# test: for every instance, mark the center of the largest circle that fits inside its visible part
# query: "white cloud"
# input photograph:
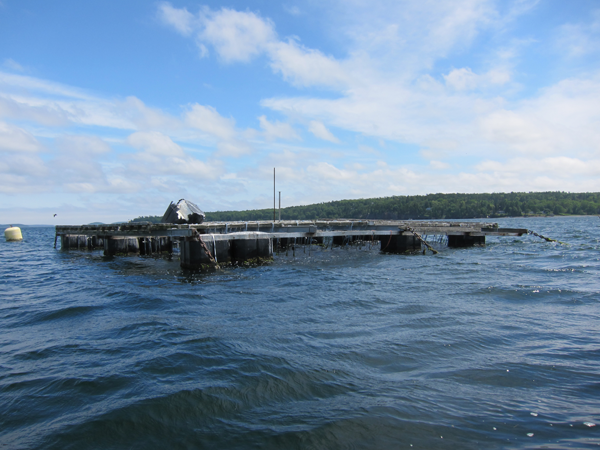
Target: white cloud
(68, 172)
(195, 168)
(306, 67)
(236, 36)
(277, 130)
(326, 171)
(241, 36)
(160, 169)
(580, 39)
(15, 139)
(180, 19)
(154, 143)
(46, 113)
(464, 79)
(19, 164)
(552, 167)
(82, 145)
(410, 35)
(80, 188)
(13, 65)
(498, 76)
(142, 116)
(228, 141)
(321, 131)
(234, 148)
(561, 119)
(12, 82)
(208, 120)
(292, 9)
(439, 165)
(53, 104)
(461, 79)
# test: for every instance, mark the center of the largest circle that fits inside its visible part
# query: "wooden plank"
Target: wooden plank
(292, 228)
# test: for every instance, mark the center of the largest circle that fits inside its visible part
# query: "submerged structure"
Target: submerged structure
(212, 243)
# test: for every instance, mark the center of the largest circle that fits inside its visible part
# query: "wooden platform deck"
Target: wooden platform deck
(291, 229)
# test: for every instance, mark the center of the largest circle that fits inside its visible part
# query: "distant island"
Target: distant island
(424, 207)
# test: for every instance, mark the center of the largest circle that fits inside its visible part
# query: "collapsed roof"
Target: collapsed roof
(183, 211)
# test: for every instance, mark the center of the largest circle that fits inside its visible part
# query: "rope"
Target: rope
(389, 240)
(435, 252)
(544, 237)
(203, 245)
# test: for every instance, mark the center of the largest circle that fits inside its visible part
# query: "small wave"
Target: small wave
(63, 313)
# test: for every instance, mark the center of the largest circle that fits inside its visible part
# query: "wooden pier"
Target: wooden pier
(211, 243)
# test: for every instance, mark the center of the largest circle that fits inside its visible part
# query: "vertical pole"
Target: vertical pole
(273, 194)
(280, 206)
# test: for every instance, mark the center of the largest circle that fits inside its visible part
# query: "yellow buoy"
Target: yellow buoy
(13, 234)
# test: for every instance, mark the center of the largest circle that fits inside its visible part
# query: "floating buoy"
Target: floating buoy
(13, 234)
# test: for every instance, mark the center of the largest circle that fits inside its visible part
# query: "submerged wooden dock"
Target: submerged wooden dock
(212, 243)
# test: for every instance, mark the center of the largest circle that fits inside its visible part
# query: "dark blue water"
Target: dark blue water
(495, 347)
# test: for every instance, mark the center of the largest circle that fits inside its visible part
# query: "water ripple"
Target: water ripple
(492, 347)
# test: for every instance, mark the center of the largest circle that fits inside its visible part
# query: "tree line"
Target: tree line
(423, 207)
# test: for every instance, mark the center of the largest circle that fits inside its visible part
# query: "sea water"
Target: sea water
(485, 347)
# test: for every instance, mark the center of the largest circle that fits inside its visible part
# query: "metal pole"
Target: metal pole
(274, 194)
(280, 206)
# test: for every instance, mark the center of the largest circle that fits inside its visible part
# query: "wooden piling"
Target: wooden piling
(120, 246)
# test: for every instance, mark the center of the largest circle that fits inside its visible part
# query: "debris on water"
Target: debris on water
(589, 424)
(507, 370)
(494, 428)
(534, 414)
(530, 434)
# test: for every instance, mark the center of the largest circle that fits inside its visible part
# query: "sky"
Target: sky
(110, 110)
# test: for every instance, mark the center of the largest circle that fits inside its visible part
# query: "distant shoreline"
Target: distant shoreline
(449, 220)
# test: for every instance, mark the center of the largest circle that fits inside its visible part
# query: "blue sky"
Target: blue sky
(109, 110)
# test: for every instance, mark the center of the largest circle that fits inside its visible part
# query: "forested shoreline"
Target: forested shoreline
(430, 206)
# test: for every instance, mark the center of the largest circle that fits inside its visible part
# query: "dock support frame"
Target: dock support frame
(461, 241)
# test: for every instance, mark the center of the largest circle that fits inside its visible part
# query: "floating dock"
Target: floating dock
(212, 243)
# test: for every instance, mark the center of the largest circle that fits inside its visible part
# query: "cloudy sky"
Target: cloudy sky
(109, 110)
